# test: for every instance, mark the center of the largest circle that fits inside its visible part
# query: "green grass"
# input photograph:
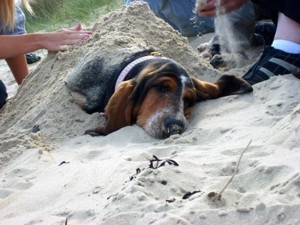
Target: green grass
(55, 14)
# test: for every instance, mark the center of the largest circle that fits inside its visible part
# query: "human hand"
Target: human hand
(62, 39)
(210, 7)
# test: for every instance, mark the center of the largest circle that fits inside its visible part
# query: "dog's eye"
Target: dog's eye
(162, 88)
(188, 102)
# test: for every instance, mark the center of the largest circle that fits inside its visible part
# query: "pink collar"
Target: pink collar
(129, 67)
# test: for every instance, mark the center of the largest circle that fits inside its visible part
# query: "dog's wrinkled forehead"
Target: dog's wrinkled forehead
(184, 76)
(152, 74)
(186, 80)
(166, 66)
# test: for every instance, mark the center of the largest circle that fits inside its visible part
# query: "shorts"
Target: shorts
(19, 27)
(290, 8)
(3, 94)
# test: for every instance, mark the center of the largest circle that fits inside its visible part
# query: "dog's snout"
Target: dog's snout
(173, 126)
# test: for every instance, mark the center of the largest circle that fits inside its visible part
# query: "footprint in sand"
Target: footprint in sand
(17, 179)
(4, 193)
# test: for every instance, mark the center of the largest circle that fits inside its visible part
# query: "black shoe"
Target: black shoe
(264, 33)
(258, 40)
(3, 94)
(32, 58)
(273, 62)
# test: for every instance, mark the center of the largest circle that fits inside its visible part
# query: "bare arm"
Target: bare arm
(13, 45)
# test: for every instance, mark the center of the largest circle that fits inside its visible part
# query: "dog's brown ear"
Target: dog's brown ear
(232, 85)
(226, 85)
(118, 111)
(205, 90)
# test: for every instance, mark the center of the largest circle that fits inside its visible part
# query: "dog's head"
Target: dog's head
(159, 100)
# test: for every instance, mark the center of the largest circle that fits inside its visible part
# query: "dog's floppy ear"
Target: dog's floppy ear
(226, 85)
(205, 90)
(232, 85)
(118, 111)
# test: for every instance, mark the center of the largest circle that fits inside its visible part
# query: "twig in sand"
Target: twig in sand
(155, 163)
(189, 194)
(217, 197)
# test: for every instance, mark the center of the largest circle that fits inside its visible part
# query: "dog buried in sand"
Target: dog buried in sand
(134, 84)
(156, 93)
(153, 91)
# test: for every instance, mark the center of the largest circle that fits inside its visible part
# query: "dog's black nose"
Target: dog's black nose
(173, 126)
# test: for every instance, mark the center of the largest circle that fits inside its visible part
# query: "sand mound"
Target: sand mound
(64, 177)
(43, 99)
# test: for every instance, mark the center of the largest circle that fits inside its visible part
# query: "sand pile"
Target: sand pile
(53, 174)
(43, 99)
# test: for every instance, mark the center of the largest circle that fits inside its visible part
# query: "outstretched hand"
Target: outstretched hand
(62, 39)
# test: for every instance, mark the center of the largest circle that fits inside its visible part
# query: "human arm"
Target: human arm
(14, 45)
(209, 7)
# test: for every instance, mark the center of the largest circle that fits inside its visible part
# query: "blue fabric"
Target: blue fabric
(19, 27)
(180, 15)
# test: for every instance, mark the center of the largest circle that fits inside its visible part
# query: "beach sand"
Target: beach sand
(53, 174)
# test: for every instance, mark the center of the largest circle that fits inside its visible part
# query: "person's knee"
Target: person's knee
(3, 94)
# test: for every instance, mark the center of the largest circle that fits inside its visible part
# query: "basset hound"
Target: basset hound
(152, 91)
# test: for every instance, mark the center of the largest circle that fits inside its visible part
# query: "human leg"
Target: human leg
(283, 57)
(18, 64)
(18, 67)
(287, 30)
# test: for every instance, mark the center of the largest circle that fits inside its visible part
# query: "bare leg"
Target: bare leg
(287, 29)
(18, 67)
(284, 55)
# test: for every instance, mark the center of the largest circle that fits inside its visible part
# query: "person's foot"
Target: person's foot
(32, 58)
(3, 94)
(273, 62)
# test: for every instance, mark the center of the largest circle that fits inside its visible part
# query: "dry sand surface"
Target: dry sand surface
(53, 174)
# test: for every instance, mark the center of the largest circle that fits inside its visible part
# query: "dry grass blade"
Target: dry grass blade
(218, 196)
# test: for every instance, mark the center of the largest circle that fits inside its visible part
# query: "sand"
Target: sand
(53, 174)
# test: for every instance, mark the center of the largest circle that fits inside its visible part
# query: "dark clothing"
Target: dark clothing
(3, 94)
(290, 8)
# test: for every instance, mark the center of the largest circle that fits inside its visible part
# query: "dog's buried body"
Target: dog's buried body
(152, 91)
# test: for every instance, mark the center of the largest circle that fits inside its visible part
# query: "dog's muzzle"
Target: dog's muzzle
(173, 126)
